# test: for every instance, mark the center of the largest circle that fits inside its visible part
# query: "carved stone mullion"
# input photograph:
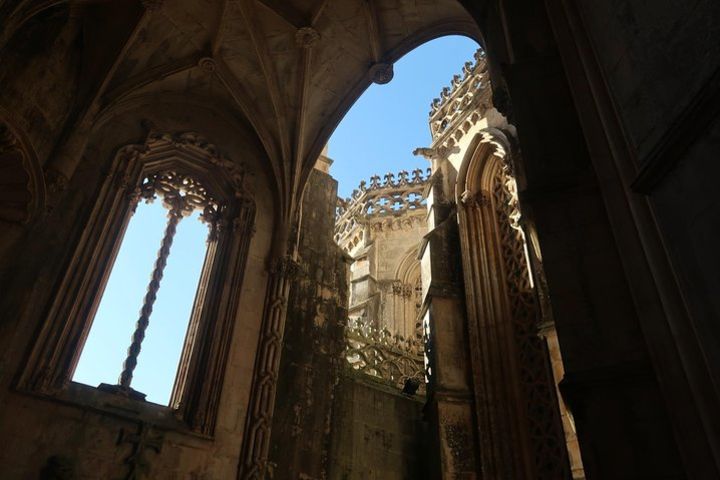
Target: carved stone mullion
(138, 336)
(256, 443)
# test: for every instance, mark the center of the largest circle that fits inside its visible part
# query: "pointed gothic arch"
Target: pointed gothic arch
(518, 421)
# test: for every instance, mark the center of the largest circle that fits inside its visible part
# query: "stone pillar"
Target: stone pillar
(450, 399)
(312, 357)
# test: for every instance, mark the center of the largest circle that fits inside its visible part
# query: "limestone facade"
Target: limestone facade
(381, 228)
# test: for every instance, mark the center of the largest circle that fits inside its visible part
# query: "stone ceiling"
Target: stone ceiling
(292, 68)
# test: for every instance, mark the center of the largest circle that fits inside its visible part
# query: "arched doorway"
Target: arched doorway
(519, 429)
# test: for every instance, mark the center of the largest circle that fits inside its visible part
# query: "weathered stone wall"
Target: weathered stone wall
(313, 341)
(377, 433)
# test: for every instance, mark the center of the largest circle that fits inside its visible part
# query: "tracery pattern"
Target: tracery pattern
(379, 204)
(546, 435)
(378, 353)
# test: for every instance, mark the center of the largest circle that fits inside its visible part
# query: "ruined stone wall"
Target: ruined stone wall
(314, 341)
(377, 433)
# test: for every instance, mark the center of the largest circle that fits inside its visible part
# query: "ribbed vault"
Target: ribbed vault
(291, 68)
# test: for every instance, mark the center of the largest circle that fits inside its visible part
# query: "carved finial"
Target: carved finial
(306, 37)
(381, 73)
(417, 176)
(402, 177)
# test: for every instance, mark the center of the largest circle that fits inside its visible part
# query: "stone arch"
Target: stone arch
(198, 386)
(463, 27)
(519, 429)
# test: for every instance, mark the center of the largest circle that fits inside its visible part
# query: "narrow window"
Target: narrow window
(139, 328)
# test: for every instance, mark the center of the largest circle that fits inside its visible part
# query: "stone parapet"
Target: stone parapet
(394, 195)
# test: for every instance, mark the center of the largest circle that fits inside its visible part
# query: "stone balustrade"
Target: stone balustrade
(380, 354)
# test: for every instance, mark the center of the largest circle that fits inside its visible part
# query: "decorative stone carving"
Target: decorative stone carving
(474, 199)
(545, 431)
(504, 324)
(253, 464)
(381, 73)
(306, 37)
(459, 107)
(164, 160)
(208, 64)
(378, 353)
(379, 205)
(181, 195)
(142, 442)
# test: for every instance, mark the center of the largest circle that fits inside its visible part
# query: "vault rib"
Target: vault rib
(271, 82)
(241, 97)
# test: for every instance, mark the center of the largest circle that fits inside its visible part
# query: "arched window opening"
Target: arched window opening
(157, 245)
(171, 319)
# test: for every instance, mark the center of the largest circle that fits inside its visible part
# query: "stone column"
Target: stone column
(450, 400)
(256, 442)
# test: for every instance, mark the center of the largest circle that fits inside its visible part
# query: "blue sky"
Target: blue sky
(376, 136)
(389, 121)
(110, 336)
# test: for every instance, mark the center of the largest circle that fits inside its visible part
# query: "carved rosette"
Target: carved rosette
(208, 64)
(306, 37)
(381, 73)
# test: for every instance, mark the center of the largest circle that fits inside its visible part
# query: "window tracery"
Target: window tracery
(181, 195)
(188, 173)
